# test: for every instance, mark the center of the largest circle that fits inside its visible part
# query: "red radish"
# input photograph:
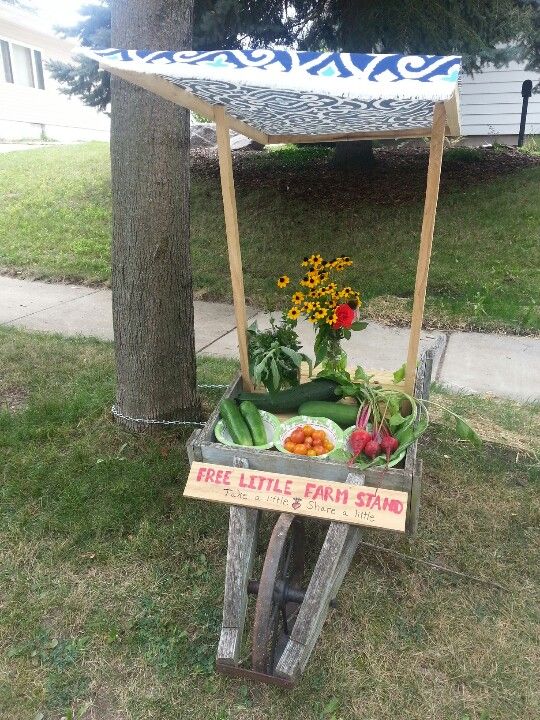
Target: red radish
(372, 448)
(360, 436)
(358, 439)
(389, 444)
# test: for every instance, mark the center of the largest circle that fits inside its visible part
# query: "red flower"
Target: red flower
(345, 315)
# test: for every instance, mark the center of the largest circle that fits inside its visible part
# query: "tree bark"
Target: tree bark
(354, 155)
(151, 264)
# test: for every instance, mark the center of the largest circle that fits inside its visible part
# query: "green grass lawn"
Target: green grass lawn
(111, 583)
(55, 223)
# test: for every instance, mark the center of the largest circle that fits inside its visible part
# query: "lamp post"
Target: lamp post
(526, 92)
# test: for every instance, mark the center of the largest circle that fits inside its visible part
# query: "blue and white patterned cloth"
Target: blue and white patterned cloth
(290, 92)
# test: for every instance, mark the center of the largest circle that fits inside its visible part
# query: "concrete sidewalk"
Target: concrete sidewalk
(501, 365)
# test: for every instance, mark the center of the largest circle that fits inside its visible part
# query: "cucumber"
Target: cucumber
(341, 414)
(292, 398)
(235, 423)
(254, 421)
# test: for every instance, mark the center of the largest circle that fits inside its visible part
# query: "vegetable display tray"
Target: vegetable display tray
(202, 446)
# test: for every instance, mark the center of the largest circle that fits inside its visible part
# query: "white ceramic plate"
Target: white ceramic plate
(271, 425)
(334, 432)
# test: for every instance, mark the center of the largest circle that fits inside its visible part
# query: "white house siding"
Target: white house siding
(491, 104)
(27, 112)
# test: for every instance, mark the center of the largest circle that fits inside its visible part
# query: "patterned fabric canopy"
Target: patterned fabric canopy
(281, 92)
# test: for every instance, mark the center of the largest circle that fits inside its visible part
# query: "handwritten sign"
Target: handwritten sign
(340, 502)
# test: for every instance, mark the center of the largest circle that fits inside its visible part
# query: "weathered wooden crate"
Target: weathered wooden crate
(202, 446)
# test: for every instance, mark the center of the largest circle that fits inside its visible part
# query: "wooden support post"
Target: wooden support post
(334, 559)
(233, 240)
(241, 547)
(426, 240)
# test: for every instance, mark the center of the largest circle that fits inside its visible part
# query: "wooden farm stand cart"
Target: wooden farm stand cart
(282, 96)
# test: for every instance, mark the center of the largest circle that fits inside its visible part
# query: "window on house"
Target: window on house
(21, 65)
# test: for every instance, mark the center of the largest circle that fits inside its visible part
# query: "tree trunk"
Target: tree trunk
(354, 155)
(151, 264)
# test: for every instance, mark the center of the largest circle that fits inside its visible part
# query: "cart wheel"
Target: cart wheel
(276, 611)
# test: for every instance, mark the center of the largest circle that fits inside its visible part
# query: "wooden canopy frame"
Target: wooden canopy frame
(445, 122)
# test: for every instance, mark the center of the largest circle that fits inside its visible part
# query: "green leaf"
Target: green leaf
(331, 707)
(396, 420)
(275, 374)
(295, 356)
(258, 371)
(465, 432)
(347, 334)
(320, 352)
(359, 325)
(399, 374)
(361, 374)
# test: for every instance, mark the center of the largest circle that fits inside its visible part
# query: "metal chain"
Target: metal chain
(149, 421)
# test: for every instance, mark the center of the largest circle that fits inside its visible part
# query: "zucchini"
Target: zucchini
(254, 421)
(292, 398)
(341, 413)
(235, 423)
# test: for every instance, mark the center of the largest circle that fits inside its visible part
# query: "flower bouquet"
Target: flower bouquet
(333, 309)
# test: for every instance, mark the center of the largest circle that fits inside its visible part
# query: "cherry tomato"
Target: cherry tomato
(319, 450)
(318, 435)
(308, 430)
(308, 441)
(297, 436)
(328, 447)
(311, 452)
(289, 446)
(300, 449)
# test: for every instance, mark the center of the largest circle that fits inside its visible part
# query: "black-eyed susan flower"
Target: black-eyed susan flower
(294, 313)
(311, 280)
(298, 298)
(283, 281)
(332, 319)
(309, 306)
(315, 260)
(320, 313)
(305, 262)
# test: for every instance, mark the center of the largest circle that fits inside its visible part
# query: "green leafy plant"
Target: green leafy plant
(384, 408)
(274, 355)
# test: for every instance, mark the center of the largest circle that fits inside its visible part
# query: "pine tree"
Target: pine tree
(82, 77)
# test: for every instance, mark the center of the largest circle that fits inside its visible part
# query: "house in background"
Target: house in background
(31, 105)
(491, 105)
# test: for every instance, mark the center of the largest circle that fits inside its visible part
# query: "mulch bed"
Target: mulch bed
(398, 177)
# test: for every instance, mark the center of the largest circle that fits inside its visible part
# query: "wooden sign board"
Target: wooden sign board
(324, 499)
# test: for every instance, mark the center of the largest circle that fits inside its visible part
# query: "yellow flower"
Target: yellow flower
(298, 298)
(294, 313)
(305, 262)
(283, 281)
(320, 313)
(311, 280)
(331, 319)
(315, 260)
(312, 319)
(309, 307)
